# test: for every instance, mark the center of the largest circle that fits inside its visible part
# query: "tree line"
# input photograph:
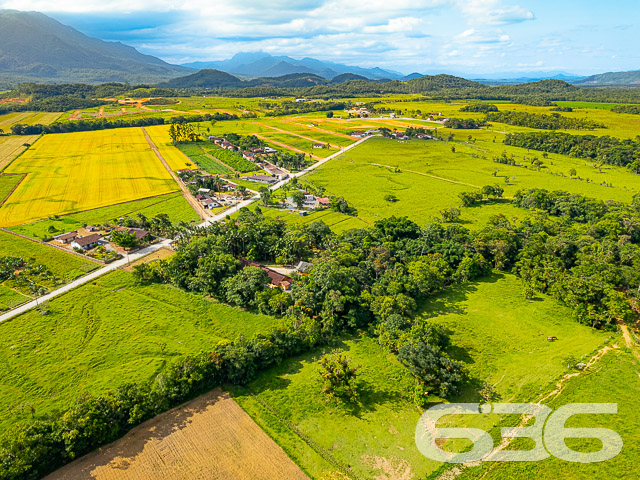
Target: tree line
(542, 121)
(115, 122)
(602, 149)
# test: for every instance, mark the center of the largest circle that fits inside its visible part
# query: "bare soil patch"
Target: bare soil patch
(210, 438)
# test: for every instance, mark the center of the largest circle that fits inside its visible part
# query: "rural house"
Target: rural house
(86, 243)
(67, 237)
(278, 280)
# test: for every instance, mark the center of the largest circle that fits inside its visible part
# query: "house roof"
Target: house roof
(277, 279)
(88, 240)
(66, 236)
(324, 200)
(138, 232)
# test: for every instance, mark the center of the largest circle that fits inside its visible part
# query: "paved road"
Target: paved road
(87, 278)
(165, 243)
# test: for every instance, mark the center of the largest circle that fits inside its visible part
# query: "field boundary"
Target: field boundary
(306, 439)
(24, 175)
(185, 191)
(94, 260)
(97, 208)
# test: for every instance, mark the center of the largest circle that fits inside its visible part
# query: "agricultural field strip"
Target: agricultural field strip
(284, 145)
(296, 134)
(85, 279)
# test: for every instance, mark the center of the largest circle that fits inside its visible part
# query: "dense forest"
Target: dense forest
(602, 149)
(539, 120)
(632, 109)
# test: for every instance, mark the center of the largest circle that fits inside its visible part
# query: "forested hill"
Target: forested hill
(612, 78)
(35, 47)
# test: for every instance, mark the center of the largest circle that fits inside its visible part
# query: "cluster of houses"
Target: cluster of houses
(250, 155)
(210, 200)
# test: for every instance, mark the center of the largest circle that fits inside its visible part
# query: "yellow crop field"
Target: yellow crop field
(71, 172)
(174, 157)
(12, 146)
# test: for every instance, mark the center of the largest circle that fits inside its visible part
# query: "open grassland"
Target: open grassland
(63, 265)
(338, 222)
(502, 335)
(104, 334)
(172, 204)
(614, 379)
(498, 333)
(12, 146)
(209, 437)
(78, 171)
(426, 177)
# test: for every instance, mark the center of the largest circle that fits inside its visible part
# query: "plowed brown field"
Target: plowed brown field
(209, 438)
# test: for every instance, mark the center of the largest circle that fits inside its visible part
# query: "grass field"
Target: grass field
(79, 171)
(615, 379)
(500, 336)
(12, 146)
(430, 178)
(103, 334)
(210, 437)
(64, 265)
(173, 204)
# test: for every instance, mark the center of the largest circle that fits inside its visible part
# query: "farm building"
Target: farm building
(358, 133)
(303, 268)
(278, 280)
(323, 202)
(318, 145)
(67, 237)
(86, 243)
(269, 150)
(276, 172)
(260, 179)
(310, 201)
(138, 232)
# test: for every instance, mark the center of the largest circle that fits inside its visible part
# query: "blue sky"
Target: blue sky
(427, 36)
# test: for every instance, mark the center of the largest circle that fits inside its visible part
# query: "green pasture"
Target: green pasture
(104, 334)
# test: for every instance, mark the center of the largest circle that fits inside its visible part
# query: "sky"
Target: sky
(472, 37)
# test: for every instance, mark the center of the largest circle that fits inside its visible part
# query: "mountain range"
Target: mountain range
(35, 47)
(261, 64)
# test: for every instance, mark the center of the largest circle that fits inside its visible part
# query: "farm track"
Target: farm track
(454, 472)
(24, 175)
(429, 175)
(185, 191)
(335, 134)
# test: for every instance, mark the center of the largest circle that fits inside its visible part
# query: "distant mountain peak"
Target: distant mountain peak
(262, 64)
